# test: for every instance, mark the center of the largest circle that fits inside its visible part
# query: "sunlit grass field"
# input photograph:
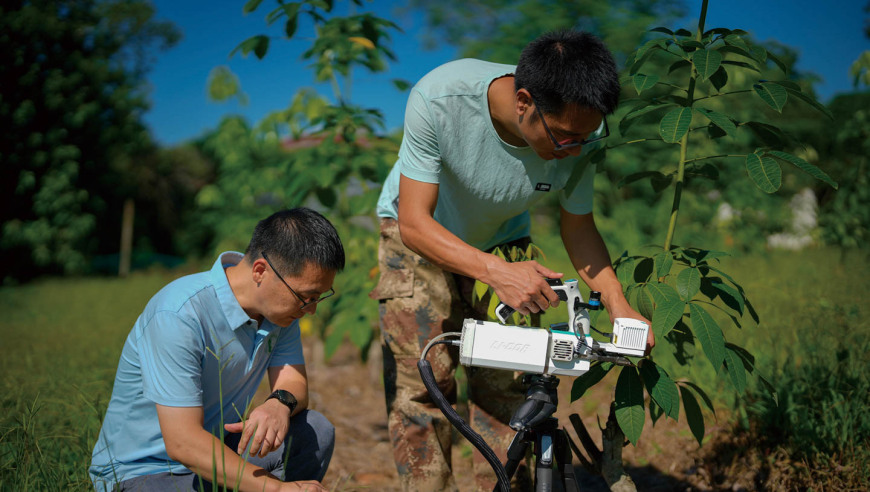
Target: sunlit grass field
(61, 340)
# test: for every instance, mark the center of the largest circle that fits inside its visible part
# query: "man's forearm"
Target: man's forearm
(208, 457)
(589, 255)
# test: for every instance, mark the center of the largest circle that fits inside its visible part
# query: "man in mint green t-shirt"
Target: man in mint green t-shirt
(483, 143)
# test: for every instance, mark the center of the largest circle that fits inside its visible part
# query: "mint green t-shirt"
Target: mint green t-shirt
(485, 186)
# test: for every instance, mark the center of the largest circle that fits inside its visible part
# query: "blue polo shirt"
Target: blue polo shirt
(192, 340)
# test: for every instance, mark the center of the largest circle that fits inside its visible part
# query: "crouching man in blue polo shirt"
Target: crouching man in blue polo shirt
(195, 357)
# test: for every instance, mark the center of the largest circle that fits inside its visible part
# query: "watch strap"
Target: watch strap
(284, 397)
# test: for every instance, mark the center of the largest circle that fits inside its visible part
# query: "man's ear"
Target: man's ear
(523, 102)
(258, 270)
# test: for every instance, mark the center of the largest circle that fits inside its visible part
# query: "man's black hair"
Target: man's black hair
(295, 237)
(565, 67)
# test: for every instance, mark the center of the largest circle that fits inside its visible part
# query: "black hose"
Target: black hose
(504, 482)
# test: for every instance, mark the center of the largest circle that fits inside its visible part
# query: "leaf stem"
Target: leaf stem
(713, 157)
(722, 94)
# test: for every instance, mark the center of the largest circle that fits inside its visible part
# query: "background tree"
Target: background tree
(73, 95)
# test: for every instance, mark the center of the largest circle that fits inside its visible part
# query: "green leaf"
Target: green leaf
(773, 94)
(719, 119)
(707, 331)
(643, 270)
(764, 172)
(290, 25)
(661, 182)
(741, 65)
(688, 283)
(629, 404)
(664, 30)
(480, 289)
(804, 166)
(729, 295)
(662, 292)
(258, 44)
(663, 262)
(645, 305)
(643, 82)
(720, 78)
(700, 392)
(661, 388)
(769, 134)
(707, 62)
(250, 6)
(666, 315)
(589, 379)
(631, 178)
(401, 84)
(678, 65)
(736, 371)
(630, 118)
(693, 414)
(782, 66)
(809, 100)
(675, 124)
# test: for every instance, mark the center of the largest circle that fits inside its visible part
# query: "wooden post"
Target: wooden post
(126, 237)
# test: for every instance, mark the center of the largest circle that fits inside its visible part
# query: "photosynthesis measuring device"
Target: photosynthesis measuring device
(562, 349)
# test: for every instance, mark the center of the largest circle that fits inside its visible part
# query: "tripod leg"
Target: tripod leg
(565, 458)
(544, 462)
(516, 453)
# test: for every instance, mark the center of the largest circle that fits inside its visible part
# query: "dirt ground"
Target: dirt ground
(351, 395)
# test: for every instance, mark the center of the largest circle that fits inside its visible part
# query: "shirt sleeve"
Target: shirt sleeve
(170, 352)
(578, 200)
(419, 154)
(288, 347)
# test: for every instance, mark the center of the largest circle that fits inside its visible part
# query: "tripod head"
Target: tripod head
(541, 402)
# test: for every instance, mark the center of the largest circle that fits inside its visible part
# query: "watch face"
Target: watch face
(286, 398)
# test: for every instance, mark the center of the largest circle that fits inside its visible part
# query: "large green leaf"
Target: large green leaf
(706, 61)
(805, 167)
(719, 119)
(764, 172)
(589, 379)
(645, 305)
(807, 99)
(675, 124)
(774, 95)
(631, 178)
(662, 292)
(643, 82)
(693, 414)
(663, 263)
(736, 371)
(661, 388)
(629, 404)
(708, 332)
(688, 283)
(667, 313)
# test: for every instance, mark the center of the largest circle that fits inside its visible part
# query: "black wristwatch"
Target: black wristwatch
(286, 398)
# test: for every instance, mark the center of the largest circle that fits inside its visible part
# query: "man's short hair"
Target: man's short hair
(565, 67)
(295, 237)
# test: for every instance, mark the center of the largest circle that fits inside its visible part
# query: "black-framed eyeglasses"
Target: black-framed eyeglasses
(571, 143)
(303, 301)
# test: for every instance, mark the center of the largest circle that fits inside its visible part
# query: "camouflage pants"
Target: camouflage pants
(419, 301)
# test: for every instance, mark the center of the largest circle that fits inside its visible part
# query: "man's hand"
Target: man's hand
(522, 285)
(305, 486)
(624, 310)
(266, 428)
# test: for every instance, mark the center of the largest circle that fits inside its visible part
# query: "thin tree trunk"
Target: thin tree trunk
(126, 237)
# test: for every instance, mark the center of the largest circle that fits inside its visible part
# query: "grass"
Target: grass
(62, 339)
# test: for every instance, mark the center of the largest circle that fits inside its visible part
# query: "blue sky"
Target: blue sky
(827, 35)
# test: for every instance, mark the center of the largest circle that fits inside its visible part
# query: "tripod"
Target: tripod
(535, 424)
